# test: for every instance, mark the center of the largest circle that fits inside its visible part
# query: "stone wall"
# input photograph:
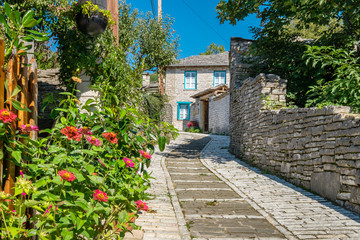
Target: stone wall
(219, 114)
(174, 88)
(318, 149)
(48, 83)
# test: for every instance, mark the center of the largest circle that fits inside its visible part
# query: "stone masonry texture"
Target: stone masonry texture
(219, 114)
(318, 149)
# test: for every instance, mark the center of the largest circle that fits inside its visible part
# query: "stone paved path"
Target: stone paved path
(219, 197)
(211, 208)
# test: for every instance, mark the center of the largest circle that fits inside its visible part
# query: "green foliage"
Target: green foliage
(154, 78)
(279, 45)
(339, 82)
(154, 105)
(148, 44)
(88, 8)
(45, 57)
(213, 49)
(16, 28)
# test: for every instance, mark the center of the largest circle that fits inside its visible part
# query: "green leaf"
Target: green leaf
(60, 158)
(27, 17)
(40, 183)
(90, 168)
(2, 20)
(82, 204)
(7, 9)
(67, 235)
(17, 156)
(30, 24)
(14, 231)
(78, 175)
(18, 106)
(161, 142)
(16, 91)
(54, 149)
(57, 180)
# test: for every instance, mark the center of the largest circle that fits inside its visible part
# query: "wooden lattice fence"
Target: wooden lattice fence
(18, 71)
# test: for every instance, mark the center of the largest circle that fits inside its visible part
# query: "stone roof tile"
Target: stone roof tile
(221, 59)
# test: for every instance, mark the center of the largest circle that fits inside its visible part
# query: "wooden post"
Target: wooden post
(2, 100)
(113, 7)
(159, 11)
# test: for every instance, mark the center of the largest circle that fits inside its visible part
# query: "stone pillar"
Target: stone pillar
(239, 71)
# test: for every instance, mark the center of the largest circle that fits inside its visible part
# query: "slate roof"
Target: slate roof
(221, 59)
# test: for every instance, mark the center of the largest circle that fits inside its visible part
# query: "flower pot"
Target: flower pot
(92, 25)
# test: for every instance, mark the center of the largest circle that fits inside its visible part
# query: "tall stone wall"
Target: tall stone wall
(219, 114)
(318, 149)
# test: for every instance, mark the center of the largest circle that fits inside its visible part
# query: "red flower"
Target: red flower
(72, 133)
(145, 154)
(7, 116)
(85, 131)
(111, 137)
(67, 176)
(141, 205)
(129, 162)
(100, 196)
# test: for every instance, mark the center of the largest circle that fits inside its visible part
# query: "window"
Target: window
(190, 80)
(219, 78)
(183, 110)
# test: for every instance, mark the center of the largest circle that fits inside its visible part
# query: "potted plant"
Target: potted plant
(90, 19)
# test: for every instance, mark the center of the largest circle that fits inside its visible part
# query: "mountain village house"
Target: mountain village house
(197, 87)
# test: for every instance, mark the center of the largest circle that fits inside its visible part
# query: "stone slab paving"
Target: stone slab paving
(297, 213)
(210, 207)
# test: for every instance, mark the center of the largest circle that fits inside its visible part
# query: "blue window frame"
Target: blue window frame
(183, 110)
(190, 79)
(219, 78)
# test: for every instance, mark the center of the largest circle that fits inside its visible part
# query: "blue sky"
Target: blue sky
(197, 33)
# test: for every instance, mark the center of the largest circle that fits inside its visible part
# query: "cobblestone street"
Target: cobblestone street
(204, 192)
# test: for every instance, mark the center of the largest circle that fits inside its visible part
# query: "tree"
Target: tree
(279, 41)
(150, 46)
(214, 49)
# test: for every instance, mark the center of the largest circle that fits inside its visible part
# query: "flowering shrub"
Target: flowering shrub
(85, 178)
(193, 127)
(192, 124)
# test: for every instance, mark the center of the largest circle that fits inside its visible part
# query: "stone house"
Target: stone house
(188, 77)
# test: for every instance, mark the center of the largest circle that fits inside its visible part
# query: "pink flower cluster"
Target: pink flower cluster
(141, 205)
(100, 196)
(145, 154)
(67, 176)
(192, 124)
(93, 141)
(129, 162)
(28, 128)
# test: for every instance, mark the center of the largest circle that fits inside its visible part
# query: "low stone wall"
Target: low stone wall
(318, 149)
(219, 114)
